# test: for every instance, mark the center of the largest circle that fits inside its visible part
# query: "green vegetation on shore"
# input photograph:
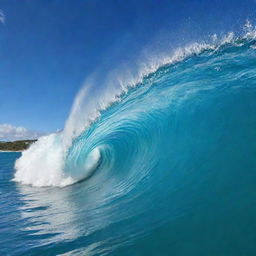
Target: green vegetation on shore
(18, 145)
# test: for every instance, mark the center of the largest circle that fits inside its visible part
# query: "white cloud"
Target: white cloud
(2, 17)
(9, 133)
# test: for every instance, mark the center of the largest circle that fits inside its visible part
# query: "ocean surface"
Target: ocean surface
(166, 167)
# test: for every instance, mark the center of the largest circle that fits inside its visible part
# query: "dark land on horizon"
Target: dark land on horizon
(18, 145)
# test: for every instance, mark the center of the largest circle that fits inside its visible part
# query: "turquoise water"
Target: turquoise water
(169, 169)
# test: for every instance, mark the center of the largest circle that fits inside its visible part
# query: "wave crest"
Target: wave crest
(102, 117)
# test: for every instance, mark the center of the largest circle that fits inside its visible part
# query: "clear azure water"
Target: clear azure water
(169, 168)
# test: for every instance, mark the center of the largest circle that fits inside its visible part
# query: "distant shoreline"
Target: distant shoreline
(9, 151)
(15, 146)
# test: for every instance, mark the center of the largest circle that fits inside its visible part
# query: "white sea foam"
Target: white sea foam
(42, 164)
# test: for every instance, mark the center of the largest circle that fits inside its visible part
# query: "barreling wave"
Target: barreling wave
(121, 131)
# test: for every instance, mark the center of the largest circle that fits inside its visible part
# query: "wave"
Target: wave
(122, 130)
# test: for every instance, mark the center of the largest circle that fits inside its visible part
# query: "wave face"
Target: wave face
(181, 139)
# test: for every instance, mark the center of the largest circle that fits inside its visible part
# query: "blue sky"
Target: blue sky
(48, 48)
